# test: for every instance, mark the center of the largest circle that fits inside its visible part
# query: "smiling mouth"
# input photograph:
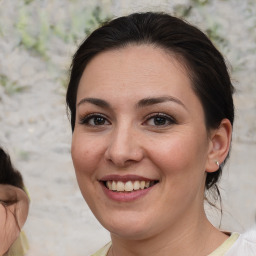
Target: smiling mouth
(128, 186)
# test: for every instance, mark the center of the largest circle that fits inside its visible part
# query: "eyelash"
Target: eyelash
(85, 120)
(167, 118)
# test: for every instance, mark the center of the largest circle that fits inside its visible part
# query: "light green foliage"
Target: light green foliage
(23, 155)
(96, 19)
(213, 27)
(37, 42)
(182, 10)
(200, 2)
(26, 39)
(214, 34)
(251, 15)
(47, 30)
(82, 20)
(44, 33)
(28, 1)
(11, 87)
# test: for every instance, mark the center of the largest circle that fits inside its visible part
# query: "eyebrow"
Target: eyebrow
(98, 102)
(156, 100)
(142, 103)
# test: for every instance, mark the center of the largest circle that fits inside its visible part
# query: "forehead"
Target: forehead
(135, 70)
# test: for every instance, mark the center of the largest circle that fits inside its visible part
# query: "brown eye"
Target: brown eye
(94, 120)
(160, 120)
(97, 120)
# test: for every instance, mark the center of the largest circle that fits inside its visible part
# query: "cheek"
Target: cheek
(84, 164)
(9, 229)
(181, 162)
(181, 154)
(86, 154)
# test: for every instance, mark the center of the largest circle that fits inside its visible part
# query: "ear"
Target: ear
(220, 139)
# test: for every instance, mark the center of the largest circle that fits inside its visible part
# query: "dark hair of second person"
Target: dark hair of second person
(8, 174)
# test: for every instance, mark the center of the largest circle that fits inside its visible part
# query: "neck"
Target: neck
(198, 238)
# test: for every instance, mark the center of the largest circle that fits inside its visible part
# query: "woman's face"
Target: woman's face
(140, 124)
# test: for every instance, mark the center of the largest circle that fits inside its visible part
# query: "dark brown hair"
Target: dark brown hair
(9, 175)
(204, 63)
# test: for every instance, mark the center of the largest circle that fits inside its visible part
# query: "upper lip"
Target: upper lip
(125, 178)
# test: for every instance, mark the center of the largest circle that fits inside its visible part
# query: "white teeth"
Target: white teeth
(142, 184)
(120, 186)
(113, 185)
(136, 185)
(127, 186)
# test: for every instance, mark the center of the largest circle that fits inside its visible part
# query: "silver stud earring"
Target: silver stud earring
(217, 162)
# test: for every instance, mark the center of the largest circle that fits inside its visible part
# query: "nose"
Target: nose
(124, 147)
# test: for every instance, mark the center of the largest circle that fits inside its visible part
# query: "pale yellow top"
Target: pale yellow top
(223, 248)
(19, 247)
(220, 251)
(103, 251)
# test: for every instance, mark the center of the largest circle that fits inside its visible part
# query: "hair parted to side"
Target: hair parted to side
(204, 63)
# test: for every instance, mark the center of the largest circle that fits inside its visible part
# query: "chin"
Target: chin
(130, 233)
(128, 227)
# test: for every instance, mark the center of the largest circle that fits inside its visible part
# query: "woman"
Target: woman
(151, 109)
(14, 204)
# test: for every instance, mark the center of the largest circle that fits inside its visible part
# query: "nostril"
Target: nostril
(124, 149)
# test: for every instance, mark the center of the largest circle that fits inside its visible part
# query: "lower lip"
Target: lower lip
(125, 196)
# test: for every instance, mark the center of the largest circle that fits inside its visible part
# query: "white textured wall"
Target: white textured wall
(37, 39)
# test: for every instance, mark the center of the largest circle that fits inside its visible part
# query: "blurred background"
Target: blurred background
(37, 40)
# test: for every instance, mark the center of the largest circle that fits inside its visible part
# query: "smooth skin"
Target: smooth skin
(12, 217)
(138, 115)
